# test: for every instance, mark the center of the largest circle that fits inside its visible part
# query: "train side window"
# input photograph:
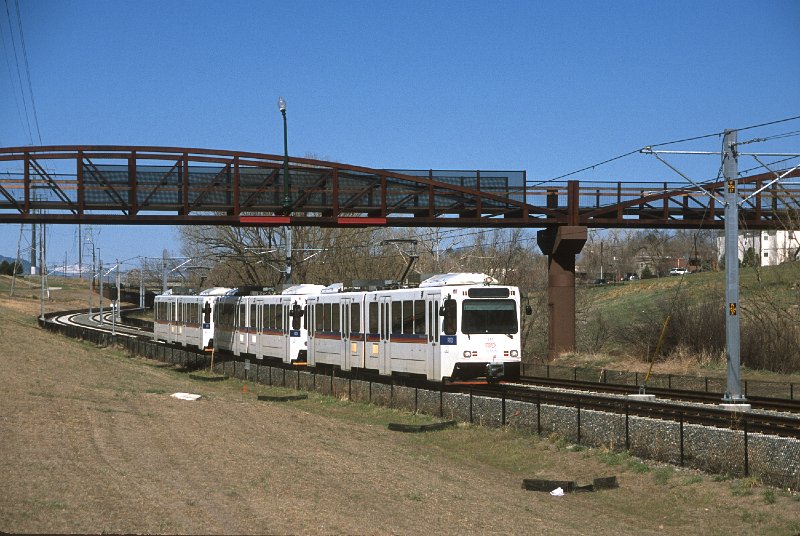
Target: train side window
(207, 313)
(335, 310)
(318, 317)
(355, 318)
(397, 317)
(419, 316)
(408, 316)
(450, 316)
(326, 317)
(373, 317)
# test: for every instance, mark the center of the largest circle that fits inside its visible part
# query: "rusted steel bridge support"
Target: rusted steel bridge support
(561, 244)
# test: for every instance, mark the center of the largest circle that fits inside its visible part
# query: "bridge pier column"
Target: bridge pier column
(561, 244)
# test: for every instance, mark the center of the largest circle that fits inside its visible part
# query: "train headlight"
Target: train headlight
(467, 353)
(514, 353)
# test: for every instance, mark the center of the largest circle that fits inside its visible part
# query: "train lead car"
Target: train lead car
(453, 326)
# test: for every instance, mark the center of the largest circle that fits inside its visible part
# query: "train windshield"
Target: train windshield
(489, 316)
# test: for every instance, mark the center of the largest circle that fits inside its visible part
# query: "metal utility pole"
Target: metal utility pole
(41, 273)
(100, 275)
(730, 172)
(164, 272)
(91, 281)
(33, 248)
(80, 254)
(286, 199)
(141, 286)
(288, 272)
(115, 306)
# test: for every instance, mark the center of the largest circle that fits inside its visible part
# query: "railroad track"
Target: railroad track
(758, 421)
(701, 397)
(93, 322)
(769, 416)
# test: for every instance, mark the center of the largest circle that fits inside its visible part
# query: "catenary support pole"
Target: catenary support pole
(730, 172)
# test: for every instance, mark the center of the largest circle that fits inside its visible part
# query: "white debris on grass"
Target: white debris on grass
(185, 396)
(558, 492)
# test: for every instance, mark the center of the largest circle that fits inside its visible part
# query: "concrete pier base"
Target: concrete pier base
(735, 407)
(642, 398)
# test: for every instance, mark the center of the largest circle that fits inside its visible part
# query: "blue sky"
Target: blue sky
(548, 87)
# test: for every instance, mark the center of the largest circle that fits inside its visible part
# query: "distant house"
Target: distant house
(770, 247)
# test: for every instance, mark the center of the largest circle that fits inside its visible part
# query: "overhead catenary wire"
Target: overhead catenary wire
(662, 144)
(27, 123)
(27, 71)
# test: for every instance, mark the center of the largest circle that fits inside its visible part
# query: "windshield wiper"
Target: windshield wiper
(509, 335)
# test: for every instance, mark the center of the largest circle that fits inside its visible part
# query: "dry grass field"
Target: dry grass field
(91, 441)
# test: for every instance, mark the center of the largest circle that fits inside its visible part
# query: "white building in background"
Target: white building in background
(770, 247)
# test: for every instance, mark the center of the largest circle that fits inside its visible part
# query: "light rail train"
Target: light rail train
(453, 326)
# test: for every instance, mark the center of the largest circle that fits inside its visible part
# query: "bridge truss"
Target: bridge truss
(171, 185)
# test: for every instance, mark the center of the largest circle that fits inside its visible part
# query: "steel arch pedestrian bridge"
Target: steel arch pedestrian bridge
(173, 185)
(185, 186)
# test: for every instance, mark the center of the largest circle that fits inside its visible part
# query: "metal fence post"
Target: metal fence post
(503, 417)
(681, 421)
(539, 413)
(627, 429)
(746, 455)
(470, 406)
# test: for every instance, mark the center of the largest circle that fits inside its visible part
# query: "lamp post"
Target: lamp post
(286, 200)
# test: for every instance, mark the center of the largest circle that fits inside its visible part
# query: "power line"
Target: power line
(27, 71)
(693, 138)
(19, 75)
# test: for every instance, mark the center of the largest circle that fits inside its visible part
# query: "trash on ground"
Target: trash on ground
(185, 396)
(569, 486)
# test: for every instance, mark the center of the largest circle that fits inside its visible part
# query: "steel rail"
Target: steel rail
(758, 402)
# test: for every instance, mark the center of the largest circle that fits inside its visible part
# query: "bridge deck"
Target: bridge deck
(164, 185)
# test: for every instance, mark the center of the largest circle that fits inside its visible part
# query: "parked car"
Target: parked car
(678, 271)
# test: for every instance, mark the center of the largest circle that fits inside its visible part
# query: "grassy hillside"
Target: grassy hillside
(623, 321)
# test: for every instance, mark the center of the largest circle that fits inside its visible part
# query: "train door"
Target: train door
(172, 316)
(290, 336)
(385, 357)
(434, 356)
(347, 333)
(355, 330)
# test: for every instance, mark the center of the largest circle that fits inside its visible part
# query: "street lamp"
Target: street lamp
(286, 200)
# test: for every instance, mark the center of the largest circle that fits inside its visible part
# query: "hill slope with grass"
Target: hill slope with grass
(622, 322)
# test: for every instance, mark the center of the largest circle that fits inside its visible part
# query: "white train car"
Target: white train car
(453, 326)
(187, 320)
(271, 326)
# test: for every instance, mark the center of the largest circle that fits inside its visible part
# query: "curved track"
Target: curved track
(769, 416)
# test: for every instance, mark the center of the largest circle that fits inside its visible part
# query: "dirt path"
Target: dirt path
(91, 441)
